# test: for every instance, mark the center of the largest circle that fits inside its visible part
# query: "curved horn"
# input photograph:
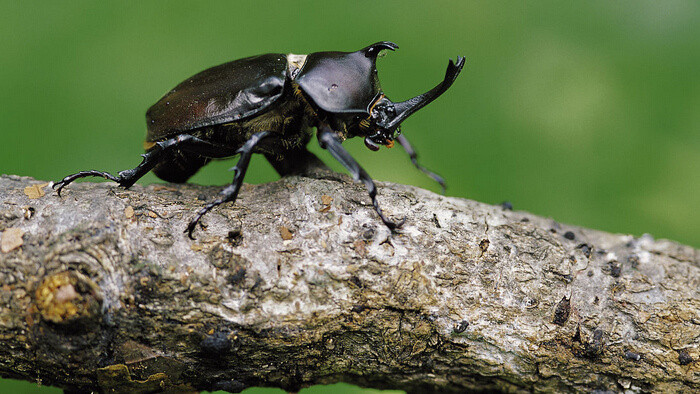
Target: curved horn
(374, 49)
(406, 108)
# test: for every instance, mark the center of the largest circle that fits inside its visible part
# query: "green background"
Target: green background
(587, 112)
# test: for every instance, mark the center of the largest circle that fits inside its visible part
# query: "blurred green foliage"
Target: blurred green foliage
(585, 111)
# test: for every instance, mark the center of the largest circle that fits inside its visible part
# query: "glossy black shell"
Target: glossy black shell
(337, 82)
(222, 94)
(340, 82)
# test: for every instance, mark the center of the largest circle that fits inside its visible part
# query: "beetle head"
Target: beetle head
(375, 132)
(385, 116)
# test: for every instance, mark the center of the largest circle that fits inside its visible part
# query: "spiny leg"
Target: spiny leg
(230, 193)
(127, 178)
(414, 159)
(330, 141)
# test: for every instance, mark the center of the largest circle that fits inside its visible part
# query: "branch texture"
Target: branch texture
(300, 283)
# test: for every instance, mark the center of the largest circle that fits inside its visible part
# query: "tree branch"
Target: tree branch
(300, 283)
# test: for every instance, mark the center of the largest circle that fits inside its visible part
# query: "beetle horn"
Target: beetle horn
(406, 108)
(374, 49)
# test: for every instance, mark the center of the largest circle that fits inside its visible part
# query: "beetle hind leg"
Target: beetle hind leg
(82, 174)
(230, 192)
(124, 178)
(161, 151)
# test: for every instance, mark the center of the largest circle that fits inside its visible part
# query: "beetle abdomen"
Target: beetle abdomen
(179, 166)
(221, 94)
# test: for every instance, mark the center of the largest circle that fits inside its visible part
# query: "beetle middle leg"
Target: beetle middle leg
(414, 159)
(330, 141)
(230, 193)
(151, 158)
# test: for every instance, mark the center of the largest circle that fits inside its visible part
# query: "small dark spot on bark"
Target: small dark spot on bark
(236, 276)
(461, 327)
(590, 273)
(369, 233)
(215, 345)
(507, 206)
(234, 237)
(684, 358)
(553, 231)
(594, 347)
(601, 251)
(596, 300)
(630, 355)
(356, 281)
(437, 222)
(525, 220)
(577, 335)
(202, 197)
(633, 260)
(570, 235)
(561, 313)
(613, 268)
(484, 245)
(358, 308)
(586, 249)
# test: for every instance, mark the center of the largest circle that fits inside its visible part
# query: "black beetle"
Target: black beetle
(268, 104)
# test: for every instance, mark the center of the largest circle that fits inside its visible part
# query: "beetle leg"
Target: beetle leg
(127, 178)
(330, 141)
(414, 159)
(230, 193)
(82, 174)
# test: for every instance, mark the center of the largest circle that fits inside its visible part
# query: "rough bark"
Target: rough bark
(300, 283)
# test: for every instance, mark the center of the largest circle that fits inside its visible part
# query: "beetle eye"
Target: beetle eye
(371, 144)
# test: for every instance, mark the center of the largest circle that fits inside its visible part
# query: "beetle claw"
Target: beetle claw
(190, 228)
(393, 226)
(60, 186)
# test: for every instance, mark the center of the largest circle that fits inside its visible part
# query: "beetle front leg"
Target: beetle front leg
(230, 193)
(330, 141)
(414, 159)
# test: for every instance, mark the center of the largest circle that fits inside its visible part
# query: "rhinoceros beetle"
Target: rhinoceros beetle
(268, 104)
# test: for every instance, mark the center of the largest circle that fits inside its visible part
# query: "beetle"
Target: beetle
(269, 104)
